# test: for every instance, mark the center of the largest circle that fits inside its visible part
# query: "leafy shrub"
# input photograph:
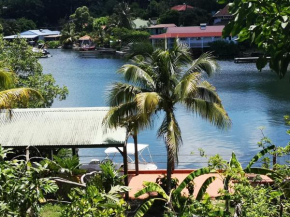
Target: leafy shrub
(224, 48)
(101, 197)
(52, 44)
(23, 187)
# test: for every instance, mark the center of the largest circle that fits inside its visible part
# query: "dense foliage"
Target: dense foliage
(20, 58)
(47, 13)
(23, 186)
(267, 25)
(224, 48)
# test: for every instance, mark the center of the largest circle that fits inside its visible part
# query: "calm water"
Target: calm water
(252, 100)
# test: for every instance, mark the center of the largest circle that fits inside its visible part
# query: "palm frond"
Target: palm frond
(117, 115)
(205, 63)
(208, 92)
(171, 132)
(121, 93)
(209, 111)
(18, 96)
(126, 115)
(6, 78)
(137, 75)
(187, 86)
(147, 103)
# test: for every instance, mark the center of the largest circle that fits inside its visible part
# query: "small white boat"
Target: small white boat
(143, 164)
(94, 165)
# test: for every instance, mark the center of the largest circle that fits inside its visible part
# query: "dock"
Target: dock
(248, 59)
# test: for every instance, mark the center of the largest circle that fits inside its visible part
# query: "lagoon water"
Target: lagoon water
(252, 99)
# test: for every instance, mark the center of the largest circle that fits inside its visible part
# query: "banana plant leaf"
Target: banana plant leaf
(190, 177)
(204, 186)
(259, 155)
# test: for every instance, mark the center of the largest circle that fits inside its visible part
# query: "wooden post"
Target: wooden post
(73, 151)
(51, 154)
(27, 158)
(136, 154)
(27, 154)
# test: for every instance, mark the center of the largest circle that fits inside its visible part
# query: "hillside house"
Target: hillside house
(194, 36)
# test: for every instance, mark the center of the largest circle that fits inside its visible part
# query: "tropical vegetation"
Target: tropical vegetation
(18, 57)
(156, 83)
(265, 24)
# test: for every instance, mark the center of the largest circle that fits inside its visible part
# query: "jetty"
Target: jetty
(248, 59)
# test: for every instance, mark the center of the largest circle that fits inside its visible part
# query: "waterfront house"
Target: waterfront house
(222, 17)
(35, 35)
(193, 36)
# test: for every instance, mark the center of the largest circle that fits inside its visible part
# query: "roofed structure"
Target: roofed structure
(190, 31)
(223, 12)
(33, 34)
(58, 127)
(162, 26)
(183, 7)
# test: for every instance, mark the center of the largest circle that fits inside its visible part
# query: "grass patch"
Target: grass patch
(51, 210)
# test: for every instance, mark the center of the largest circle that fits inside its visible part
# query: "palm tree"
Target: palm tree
(156, 83)
(11, 97)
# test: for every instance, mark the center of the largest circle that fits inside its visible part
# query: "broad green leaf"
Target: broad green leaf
(261, 63)
(234, 162)
(204, 186)
(146, 206)
(190, 177)
(259, 155)
(270, 173)
(152, 187)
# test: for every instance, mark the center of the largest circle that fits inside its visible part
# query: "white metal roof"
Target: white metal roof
(130, 149)
(58, 127)
(20, 36)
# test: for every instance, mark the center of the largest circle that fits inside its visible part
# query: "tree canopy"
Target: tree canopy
(267, 25)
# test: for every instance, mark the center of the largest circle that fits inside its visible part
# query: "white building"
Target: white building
(34, 35)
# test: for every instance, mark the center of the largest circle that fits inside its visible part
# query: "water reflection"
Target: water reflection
(251, 98)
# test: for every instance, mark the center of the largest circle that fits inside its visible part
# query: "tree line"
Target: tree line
(53, 13)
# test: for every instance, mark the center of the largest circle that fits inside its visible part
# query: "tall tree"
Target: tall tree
(156, 83)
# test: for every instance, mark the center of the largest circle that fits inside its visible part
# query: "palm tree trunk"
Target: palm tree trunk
(169, 172)
(136, 154)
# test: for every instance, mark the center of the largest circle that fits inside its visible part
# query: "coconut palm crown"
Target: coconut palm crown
(11, 97)
(156, 83)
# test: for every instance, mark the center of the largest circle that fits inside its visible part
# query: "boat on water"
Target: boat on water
(111, 153)
(42, 52)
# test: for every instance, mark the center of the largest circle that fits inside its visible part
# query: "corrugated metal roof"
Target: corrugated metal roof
(20, 36)
(162, 26)
(58, 127)
(190, 31)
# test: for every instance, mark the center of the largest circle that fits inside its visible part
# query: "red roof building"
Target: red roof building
(183, 7)
(191, 32)
(194, 36)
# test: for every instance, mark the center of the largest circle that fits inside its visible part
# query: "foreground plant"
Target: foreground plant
(102, 196)
(23, 187)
